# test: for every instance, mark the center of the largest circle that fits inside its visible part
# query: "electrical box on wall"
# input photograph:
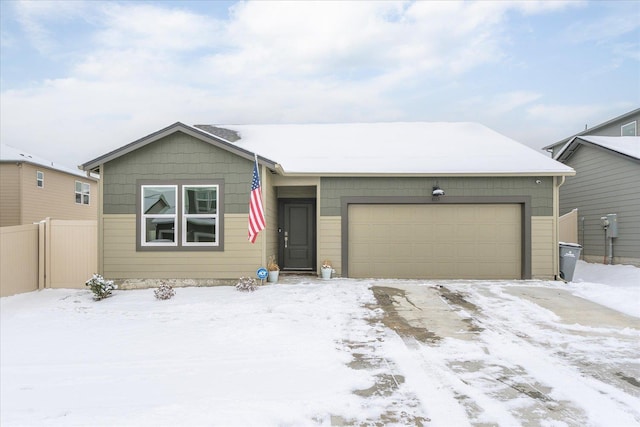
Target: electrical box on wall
(612, 229)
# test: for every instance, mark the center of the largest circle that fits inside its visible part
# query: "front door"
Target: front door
(296, 232)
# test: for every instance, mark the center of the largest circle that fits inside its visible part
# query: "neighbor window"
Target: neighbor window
(82, 193)
(630, 129)
(182, 215)
(40, 179)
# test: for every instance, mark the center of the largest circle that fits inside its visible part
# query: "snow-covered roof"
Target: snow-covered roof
(392, 148)
(627, 145)
(621, 118)
(12, 154)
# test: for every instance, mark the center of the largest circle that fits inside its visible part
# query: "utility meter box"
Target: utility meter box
(612, 230)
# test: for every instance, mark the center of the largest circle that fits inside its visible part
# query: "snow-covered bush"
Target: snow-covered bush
(164, 291)
(100, 287)
(247, 284)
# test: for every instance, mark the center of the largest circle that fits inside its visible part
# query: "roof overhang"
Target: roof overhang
(570, 147)
(94, 165)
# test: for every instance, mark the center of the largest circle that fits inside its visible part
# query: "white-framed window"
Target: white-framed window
(40, 179)
(159, 217)
(199, 215)
(83, 192)
(630, 129)
(185, 215)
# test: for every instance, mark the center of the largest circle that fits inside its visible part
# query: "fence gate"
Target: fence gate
(52, 254)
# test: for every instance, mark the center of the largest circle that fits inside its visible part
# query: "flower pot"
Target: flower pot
(273, 276)
(326, 273)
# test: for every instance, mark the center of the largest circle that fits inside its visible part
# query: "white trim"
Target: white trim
(205, 216)
(82, 192)
(144, 217)
(635, 128)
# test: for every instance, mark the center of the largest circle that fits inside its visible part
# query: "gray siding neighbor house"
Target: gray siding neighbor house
(624, 125)
(607, 181)
(380, 200)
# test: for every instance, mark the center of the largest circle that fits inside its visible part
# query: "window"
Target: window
(630, 129)
(40, 179)
(199, 215)
(82, 193)
(159, 214)
(181, 216)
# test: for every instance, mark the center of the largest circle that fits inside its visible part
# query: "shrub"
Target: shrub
(164, 291)
(247, 284)
(100, 287)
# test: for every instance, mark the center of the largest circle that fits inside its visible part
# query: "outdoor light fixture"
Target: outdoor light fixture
(437, 191)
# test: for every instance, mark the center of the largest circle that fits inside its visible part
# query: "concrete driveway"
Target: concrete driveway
(508, 353)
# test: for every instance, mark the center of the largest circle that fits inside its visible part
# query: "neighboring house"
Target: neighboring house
(623, 125)
(176, 202)
(606, 182)
(32, 189)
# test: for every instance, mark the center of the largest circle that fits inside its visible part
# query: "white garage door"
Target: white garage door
(435, 241)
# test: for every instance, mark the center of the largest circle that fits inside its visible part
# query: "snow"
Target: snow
(628, 145)
(285, 356)
(11, 154)
(394, 148)
(614, 286)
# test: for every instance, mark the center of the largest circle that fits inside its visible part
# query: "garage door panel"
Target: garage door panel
(435, 241)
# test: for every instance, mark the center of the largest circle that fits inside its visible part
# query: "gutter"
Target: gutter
(556, 220)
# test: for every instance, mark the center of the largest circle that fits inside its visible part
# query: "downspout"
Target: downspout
(556, 203)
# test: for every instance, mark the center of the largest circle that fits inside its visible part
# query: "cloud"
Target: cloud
(142, 66)
(38, 19)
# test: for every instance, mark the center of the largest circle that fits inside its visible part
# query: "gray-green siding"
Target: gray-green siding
(333, 189)
(605, 183)
(178, 156)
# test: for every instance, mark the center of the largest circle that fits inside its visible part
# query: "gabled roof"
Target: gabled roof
(415, 148)
(626, 146)
(94, 165)
(594, 128)
(9, 154)
(401, 148)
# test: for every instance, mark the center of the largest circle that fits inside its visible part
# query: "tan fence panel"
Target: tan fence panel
(71, 253)
(18, 259)
(568, 227)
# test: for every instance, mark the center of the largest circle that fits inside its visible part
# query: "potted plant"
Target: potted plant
(274, 269)
(326, 269)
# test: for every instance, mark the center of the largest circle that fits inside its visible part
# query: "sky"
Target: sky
(81, 78)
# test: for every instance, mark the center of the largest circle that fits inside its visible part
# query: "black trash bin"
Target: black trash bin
(569, 256)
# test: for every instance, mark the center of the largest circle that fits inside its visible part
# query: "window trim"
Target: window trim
(144, 217)
(178, 245)
(635, 128)
(186, 216)
(82, 193)
(39, 179)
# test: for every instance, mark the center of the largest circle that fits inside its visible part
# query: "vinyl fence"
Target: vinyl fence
(568, 227)
(51, 254)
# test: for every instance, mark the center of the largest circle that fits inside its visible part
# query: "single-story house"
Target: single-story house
(382, 200)
(33, 188)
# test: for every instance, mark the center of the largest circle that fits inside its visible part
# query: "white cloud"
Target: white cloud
(148, 66)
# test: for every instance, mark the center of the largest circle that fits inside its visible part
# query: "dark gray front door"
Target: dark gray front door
(297, 234)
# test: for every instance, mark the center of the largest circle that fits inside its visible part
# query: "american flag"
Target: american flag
(256, 212)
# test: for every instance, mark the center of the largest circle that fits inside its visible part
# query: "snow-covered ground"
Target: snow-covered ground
(318, 353)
